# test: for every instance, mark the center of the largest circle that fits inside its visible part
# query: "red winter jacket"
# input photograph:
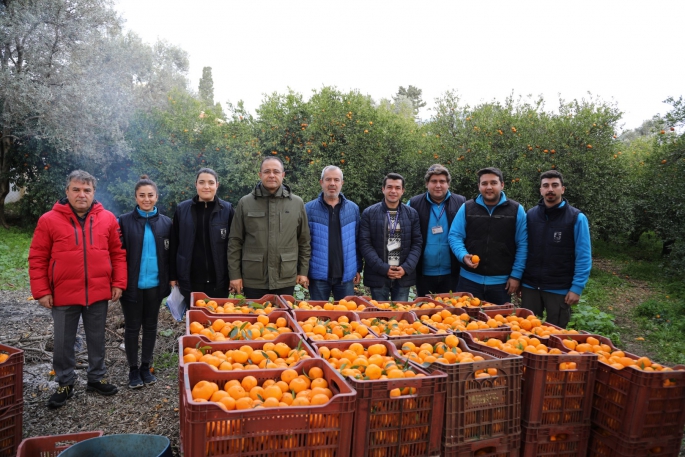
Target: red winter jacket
(73, 271)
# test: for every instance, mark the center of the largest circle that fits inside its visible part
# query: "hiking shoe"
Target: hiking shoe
(134, 381)
(147, 377)
(60, 397)
(102, 387)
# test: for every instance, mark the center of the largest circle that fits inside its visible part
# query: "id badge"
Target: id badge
(393, 245)
(437, 229)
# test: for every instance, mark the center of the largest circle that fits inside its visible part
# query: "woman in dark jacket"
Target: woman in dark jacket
(145, 236)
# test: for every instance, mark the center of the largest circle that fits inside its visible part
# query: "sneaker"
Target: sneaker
(147, 377)
(60, 397)
(134, 381)
(102, 387)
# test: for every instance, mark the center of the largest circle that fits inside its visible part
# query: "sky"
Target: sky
(624, 52)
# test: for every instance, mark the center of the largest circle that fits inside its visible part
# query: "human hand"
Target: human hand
(468, 262)
(173, 283)
(235, 286)
(46, 301)
(357, 279)
(513, 286)
(571, 298)
(116, 293)
(396, 272)
(303, 281)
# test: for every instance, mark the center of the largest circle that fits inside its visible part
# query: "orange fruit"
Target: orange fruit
(475, 259)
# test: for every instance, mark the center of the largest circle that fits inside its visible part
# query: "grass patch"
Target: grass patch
(166, 360)
(661, 318)
(14, 258)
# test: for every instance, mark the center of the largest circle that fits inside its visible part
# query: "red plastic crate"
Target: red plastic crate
(604, 444)
(10, 430)
(455, 311)
(208, 430)
(207, 318)
(550, 396)
(51, 446)
(275, 300)
(11, 378)
(477, 409)
(471, 309)
(408, 425)
(290, 302)
(635, 405)
(561, 441)
(303, 315)
(504, 446)
(397, 315)
(291, 339)
(401, 306)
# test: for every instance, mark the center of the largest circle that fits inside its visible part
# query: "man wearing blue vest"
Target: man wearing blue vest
(438, 269)
(492, 227)
(336, 264)
(559, 253)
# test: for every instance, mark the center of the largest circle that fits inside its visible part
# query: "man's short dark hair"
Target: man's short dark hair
(82, 176)
(208, 171)
(491, 171)
(437, 169)
(551, 174)
(393, 176)
(276, 158)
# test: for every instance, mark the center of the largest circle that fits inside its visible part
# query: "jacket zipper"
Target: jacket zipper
(85, 257)
(204, 238)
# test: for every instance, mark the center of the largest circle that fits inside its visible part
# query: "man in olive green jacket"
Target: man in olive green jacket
(269, 243)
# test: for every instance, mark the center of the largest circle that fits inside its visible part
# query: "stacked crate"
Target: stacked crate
(11, 399)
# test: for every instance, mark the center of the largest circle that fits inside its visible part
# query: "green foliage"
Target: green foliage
(14, 254)
(591, 319)
(166, 360)
(664, 322)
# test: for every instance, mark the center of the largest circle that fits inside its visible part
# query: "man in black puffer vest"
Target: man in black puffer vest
(199, 240)
(559, 253)
(438, 268)
(493, 228)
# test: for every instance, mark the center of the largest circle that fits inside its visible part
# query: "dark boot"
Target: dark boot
(147, 377)
(60, 397)
(134, 380)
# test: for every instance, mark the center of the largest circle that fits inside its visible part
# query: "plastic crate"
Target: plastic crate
(303, 315)
(51, 446)
(10, 430)
(274, 299)
(477, 409)
(636, 405)
(605, 444)
(208, 430)
(555, 441)
(400, 306)
(455, 311)
(473, 310)
(506, 446)
(410, 317)
(550, 396)
(11, 378)
(291, 339)
(408, 425)
(289, 302)
(204, 318)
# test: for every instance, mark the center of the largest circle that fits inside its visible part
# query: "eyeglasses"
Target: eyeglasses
(271, 172)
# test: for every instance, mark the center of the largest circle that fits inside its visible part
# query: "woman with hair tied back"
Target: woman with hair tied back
(145, 236)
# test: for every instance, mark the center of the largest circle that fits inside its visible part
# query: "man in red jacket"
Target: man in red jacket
(76, 265)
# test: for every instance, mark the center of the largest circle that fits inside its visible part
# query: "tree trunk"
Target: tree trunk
(5, 150)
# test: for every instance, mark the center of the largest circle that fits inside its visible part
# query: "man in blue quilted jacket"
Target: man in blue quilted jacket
(336, 264)
(391, 243)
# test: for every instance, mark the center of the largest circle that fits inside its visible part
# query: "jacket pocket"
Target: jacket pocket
(255, 221)
(253, 266)
(288, 265)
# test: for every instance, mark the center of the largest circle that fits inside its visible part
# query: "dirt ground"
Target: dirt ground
(150, 410)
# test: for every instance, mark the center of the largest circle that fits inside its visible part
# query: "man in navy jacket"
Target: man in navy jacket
(559, 253)
(334, 228)
(390, 242)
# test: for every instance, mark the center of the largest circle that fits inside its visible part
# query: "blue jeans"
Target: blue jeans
(493, 293)
(391, 291)
(321, 290)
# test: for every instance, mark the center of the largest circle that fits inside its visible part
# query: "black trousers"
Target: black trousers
(144, 313)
